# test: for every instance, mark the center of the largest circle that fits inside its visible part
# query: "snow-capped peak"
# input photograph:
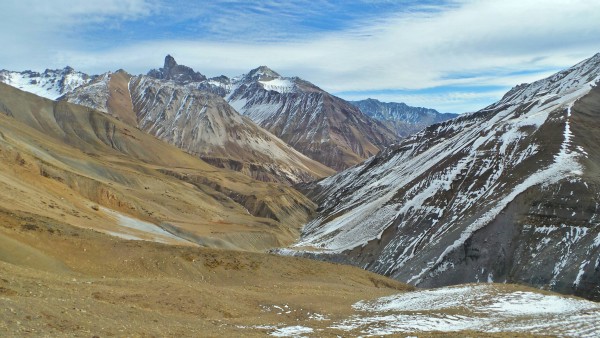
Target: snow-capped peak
(51, 84)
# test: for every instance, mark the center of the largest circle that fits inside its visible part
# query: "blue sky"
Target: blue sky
(454, 56)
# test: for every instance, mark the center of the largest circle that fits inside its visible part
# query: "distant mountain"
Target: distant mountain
(507, 194)
(316, 123)
(201, 123)
(405, 120)
(50, 84)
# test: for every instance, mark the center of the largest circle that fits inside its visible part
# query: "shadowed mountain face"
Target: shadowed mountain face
(200, 123)
(400, 117)
(74, 165)
(505, 194)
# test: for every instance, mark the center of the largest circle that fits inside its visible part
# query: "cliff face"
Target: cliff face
(171, 71)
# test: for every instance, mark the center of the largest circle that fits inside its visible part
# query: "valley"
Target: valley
(173, 204)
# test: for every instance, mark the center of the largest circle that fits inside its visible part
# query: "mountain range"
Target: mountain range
(284, 120)
(200, 123)
(400, 117)
(319, 125)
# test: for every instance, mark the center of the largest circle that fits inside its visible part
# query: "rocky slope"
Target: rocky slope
(400, 117)
(508, 194)
(316, 123)
(68, 164)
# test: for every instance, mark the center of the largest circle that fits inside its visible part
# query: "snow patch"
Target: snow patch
(154, 232)
(280, 85)
(291, 331)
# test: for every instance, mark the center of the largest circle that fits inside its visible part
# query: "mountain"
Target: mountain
(507, 194)
(321, 126)
(68, 164)
(316, 123)
(205, 125)
(400, 117)
(200, 123)
(50, 84)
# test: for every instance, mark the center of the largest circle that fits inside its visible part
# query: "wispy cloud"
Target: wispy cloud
(357, 47)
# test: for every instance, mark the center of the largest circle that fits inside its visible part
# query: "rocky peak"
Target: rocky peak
(169, 62)
(262, 73)
(178, 73)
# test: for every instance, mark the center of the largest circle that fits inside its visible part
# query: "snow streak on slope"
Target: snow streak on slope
(50, 84)
(483, 308)
(409, 211)
(479, 308)
(135, 229)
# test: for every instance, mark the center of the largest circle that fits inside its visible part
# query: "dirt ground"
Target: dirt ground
(59, 280)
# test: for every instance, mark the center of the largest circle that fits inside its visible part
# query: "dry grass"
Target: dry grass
(72, 281)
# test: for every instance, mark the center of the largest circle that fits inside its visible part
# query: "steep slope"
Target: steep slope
(316, 123)
(400, 117)
(73, 165)
(50, 84)
(509, 194)
(200, 123)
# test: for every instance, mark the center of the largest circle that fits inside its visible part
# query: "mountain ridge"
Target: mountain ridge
(200, 123)
(487, 196)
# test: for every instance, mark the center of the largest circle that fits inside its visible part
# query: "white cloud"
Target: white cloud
(34, 31)
(407, 50)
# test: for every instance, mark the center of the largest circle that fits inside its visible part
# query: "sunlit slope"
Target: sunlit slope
(82, 167)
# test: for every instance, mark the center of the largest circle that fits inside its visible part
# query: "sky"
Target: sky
(452, 55)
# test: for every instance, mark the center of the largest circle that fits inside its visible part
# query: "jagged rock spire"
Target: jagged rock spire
(175, 72)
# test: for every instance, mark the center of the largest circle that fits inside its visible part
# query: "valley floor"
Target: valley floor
(58, 280)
